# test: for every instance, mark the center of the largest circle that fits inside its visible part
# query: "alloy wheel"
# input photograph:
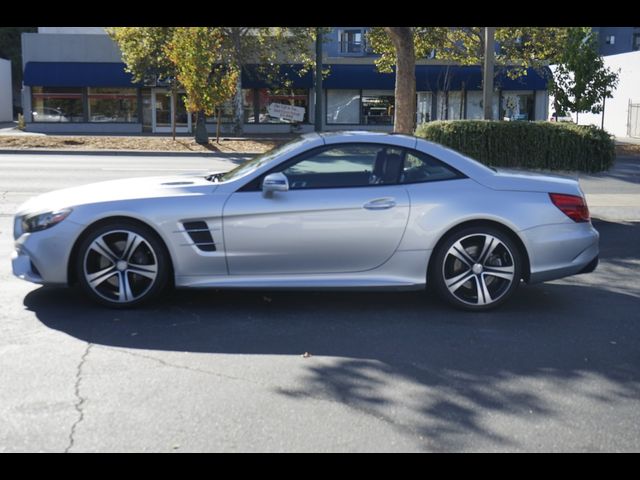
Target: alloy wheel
(478, 269)
(120, 266)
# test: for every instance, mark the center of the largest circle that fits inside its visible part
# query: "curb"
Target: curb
(127, 153)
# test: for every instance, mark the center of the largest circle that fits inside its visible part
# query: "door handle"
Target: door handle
(380, 204)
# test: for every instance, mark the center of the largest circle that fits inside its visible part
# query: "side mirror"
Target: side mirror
(274, 182)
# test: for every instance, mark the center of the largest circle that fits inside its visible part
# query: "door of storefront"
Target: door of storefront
(162, 117)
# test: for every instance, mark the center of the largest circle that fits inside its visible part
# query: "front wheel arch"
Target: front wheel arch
(71, 271)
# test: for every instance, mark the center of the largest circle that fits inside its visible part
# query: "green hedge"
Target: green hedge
(530, 145)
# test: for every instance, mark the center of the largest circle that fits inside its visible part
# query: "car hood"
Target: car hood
(115, 190)
(521, 180)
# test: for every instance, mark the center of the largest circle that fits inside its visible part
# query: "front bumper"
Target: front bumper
(43, 257)
(23, 267)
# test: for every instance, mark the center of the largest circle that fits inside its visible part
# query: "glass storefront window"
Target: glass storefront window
(423, 112)
(377, 107)
(454, 106)
(441, 110)
(50, 104)
(475, 109)
(343, 107)
(113, 105)
(450, 108)
(517, 106)
(474, 106)
(297, 97)
(248, 105)
(228, 108)
(226, 113)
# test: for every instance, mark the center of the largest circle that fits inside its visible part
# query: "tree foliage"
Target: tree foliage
(266, 48)
(520, 48)
(144, 50)
(581, 81)
(195, 53)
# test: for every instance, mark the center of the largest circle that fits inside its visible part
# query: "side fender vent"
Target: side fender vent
(200, 234)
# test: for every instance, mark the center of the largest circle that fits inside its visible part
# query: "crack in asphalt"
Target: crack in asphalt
(191, 369)
(80, 399)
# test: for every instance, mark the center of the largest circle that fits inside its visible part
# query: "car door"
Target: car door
(344, 212)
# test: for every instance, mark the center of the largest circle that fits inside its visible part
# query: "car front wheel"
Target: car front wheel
(122, 265)
(476, 268)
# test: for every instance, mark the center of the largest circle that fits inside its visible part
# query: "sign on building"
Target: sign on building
(286, 112)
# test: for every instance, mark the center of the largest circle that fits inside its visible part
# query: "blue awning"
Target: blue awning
(252, 77)
(428, 78)
(357, 77)
(341, 76)
(77, 74)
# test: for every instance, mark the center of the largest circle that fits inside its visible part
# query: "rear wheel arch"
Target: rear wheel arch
(526, 270)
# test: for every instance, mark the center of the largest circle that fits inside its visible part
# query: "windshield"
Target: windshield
(255, 163)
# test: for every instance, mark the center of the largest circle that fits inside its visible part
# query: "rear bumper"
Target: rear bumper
(557, 251)
(591, 266)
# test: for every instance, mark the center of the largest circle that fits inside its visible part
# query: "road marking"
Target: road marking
(141, 169)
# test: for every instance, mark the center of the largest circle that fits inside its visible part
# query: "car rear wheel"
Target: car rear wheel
(476, 268)
(122, 265)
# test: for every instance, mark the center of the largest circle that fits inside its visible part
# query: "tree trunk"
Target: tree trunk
(318, 82)
(202, 137)
(218, 126)
(487, 81)
(405, 107)
(238, 127)
(174, 94)
(236, 37)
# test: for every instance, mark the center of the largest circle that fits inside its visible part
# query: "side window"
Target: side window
(347, 165)
(420, 167)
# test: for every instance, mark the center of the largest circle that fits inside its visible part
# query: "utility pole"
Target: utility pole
(489, 60)
(318, 80)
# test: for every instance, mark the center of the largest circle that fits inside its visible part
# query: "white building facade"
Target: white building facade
(621, 116)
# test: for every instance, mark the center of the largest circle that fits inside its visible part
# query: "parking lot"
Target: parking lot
(556, 369)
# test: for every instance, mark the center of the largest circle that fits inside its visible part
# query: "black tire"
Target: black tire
(476, 268)
(103, 275)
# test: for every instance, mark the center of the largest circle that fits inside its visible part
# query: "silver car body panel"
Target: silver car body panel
(378, 236)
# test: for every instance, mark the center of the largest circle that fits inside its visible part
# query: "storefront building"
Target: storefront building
(74, 81)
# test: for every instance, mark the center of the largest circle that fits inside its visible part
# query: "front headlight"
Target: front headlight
(42, 221)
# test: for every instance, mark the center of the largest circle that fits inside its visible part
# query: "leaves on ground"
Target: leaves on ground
(167, 144)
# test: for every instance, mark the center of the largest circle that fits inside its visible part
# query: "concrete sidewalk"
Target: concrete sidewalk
(614, 195)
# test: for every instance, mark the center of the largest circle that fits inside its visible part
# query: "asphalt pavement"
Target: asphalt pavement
(555, 369)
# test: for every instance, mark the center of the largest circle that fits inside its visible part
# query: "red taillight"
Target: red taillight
(572, 206)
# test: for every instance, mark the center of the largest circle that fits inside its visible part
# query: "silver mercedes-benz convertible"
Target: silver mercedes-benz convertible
(357, 210)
